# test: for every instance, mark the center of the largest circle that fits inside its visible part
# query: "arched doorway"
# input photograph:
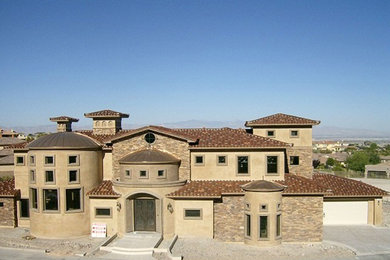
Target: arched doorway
(143, 213)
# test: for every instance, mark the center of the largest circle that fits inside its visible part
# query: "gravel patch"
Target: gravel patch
(206, 249)
(21, 238)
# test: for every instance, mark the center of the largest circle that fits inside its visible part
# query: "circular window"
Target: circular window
(150, 138)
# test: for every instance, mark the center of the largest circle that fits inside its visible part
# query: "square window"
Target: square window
(32, 176)
(263, 207)
(222, 159)
(263, 227)
(24, 208)
(49, 160)
(50, 199)
(242, 164)
(199, 160)
(161, 173)
(73, 176)
(192, 213)
(294, 160)
(271, 133)
(49, 176)
(103, 212)
(143, 174)
(73, 160)
(34, 198)
(294, 133)
(272, 164)
(32, 160)
(127, 173)
(73, 199)
(19, 160)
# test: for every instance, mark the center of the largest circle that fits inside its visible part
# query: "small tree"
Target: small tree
(358, 160)
(330, 162)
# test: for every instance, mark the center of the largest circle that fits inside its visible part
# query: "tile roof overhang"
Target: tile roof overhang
(104, 190)
(107, 113)
(64, 119)
(7, 188)
(281, 120)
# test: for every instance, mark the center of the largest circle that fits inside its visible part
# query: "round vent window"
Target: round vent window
(150, 138)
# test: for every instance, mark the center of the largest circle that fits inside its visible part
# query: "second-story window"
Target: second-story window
(199, 160)
(294, 160)
(271, 133)
(49, 160)
(294, 133)
(272, 164)
(242, 164)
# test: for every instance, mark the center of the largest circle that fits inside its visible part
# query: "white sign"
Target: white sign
(99, 230)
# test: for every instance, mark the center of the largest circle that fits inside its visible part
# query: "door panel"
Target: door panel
(144, 215)
(345, 213)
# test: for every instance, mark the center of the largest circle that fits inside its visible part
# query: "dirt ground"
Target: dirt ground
(19, 238)
(205, 249)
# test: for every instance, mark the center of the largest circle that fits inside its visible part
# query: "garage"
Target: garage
(345, 212)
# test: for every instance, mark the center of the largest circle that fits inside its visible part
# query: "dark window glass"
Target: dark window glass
(49, 176)
(20, 160)
(49, 160)
(32, 175)
(263, 226)
(73, 176)
(1, 204)
(150, 138)
(222, 159)
(32, 160)
(24, 208)
(294, 133)
(73, 199)
(142, 173)
(192, 213)
(278, 225)
(160, 173)
(242, 164)
(272, 164)
(198, 159)
(34, 198)
(50, 200)
(270, 133)
(103, 212)
(248, 225)
(72, 159)
(294, 160)
(127, 173)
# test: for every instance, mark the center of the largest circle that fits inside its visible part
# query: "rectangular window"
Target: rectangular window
(127, 173)
(34, 198)
(221, 160)
(199, 160)
(247, 225)
(278, 222)
(143, 174)
(192, 214)
(19, 160)
(161, 173)
(263, 227)
(32, 176)
(242, 165)
(50, 199)
(1, 204)
(294, 133)
(102, 212)
(73, 160)
(271, 133)
(294, 160)
(73, 176)
(49, 160)
(49, 177)
(24, 208)
(73, 199)
(272, 164)
(32, 160)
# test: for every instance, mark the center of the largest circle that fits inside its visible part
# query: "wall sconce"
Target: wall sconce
(170, 207)
(118, 206)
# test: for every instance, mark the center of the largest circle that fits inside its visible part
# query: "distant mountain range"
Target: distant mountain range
(319, 132)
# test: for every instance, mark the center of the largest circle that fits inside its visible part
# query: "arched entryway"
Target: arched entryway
(143, 212)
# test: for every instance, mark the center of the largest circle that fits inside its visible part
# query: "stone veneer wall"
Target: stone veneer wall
(305, 167)
(229, 219)
(163, 143)
(8, 212)
(302, 218)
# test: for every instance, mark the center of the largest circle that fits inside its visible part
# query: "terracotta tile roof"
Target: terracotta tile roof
(17, 146)
(103, 139)
(7, 160)
(230, 138)
(7, 141)
(343, 187)
(64, 119)
(300, 185)
(7, 188)
(103, 190)
(106, 113)
(281, 119)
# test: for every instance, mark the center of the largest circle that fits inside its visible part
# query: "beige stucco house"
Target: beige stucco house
(253, 185)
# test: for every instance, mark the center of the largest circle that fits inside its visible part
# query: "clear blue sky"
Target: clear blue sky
(167, 61)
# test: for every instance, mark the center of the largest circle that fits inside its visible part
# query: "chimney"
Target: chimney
(106, 122)
(64, 123)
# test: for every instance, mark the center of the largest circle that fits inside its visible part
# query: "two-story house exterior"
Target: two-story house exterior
(252, 185)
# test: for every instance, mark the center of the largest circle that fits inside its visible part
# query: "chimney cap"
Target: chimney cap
(63, 119)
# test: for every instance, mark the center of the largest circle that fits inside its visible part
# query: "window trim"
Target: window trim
(77, 163)
(270, 130)
(28, 208)
(81, 201)
(247, 206)
(77, 181)
(294, 136)
(291, 161)
(102, 216)
(49, 164)
(164, 176)
(268, 227)
(246, 229)
(16, 160)
(54, 177)
(277, 165)
(193, 218)
(125, 173)
(32, 172)
(31, 199)
(278, 226)
(29, 160)
(44, 203)
(265, 209)
(199, 164)
(143, 177)
(249, 169)
(226, 160)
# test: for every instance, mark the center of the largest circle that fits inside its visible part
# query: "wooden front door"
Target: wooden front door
(144, 215)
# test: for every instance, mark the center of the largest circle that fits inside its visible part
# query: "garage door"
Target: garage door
(345, 213)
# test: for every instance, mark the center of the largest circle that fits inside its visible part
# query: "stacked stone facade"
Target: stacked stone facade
(305, 167)
(302, 218)
(178, 148)
(229, 219)
(8, 212)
